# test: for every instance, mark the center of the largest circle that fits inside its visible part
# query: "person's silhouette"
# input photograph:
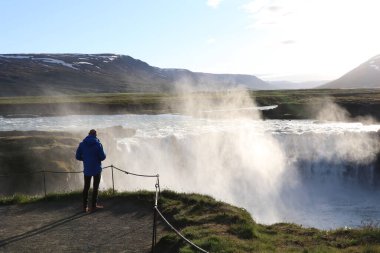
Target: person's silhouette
(91, 152)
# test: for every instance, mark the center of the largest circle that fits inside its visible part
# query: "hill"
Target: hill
(53, 74)
(366, 75)
(53, 224)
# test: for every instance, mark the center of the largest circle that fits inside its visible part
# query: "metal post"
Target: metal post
(155, 227)
(44, 182)
(113, 182)
(154, 236)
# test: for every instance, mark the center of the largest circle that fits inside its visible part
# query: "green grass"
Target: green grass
(220, 227)
(292, 104)
(98, 98)
(262, 97)
(309, 96)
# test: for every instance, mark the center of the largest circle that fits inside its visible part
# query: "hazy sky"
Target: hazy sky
(293, 40)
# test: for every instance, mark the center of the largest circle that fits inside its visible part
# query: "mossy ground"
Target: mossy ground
(220, 227)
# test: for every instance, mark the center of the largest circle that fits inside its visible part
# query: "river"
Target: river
(319, 174)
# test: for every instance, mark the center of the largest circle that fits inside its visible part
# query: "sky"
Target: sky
(292, 40)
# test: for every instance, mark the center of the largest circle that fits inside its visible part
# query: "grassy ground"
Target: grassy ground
(292, 104)
(101, 98)
(309, 96)
(360, 104)
(262, 97)
(220, 227)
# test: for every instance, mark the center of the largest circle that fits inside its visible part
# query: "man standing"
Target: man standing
(91, 152)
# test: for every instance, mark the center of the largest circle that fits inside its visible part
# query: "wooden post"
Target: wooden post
(113, 182)
(154, 235)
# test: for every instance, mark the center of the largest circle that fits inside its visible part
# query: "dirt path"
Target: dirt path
(59, 226)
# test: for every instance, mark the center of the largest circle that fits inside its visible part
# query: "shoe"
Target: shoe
(97, 207)
(85, 209)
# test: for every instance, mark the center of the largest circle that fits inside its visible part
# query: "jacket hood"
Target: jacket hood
(90, 140)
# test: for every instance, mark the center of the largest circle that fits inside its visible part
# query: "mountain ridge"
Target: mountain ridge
(366, 75)
(52, 74)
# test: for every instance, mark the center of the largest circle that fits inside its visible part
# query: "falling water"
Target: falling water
(321, 174)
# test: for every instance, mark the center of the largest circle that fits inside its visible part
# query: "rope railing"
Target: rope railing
(40, 171)
(43, 173)
(20, 174)
(130, 173)
(157, 211)
(156, 198)
(178, 233)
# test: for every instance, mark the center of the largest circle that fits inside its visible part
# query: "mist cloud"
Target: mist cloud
(327, 110)
(245, 165)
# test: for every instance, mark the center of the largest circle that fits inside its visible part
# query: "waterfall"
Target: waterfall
(321, 174)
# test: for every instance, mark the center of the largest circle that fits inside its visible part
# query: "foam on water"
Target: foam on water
(168, 124)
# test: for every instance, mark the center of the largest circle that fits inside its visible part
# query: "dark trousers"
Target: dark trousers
(95, 189)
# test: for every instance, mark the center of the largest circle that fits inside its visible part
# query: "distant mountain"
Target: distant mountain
(367, 75)
(40, 74)
(285, 85)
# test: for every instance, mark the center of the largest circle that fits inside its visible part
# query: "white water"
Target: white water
(168, 124)
(314, 173)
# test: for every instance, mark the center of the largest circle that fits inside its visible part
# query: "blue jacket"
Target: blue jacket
(91, 152)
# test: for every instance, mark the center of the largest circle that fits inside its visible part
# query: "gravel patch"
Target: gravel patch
(61, 226)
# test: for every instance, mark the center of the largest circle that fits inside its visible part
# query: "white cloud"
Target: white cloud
(332, 36)
(271, 12)
(213, 3)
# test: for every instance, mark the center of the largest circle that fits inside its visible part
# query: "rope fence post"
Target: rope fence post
(44, 182)
(154, 234)
(43, 173)
(113, 182)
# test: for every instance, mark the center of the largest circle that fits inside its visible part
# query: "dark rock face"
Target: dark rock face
(54, 74)
(24, 155)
